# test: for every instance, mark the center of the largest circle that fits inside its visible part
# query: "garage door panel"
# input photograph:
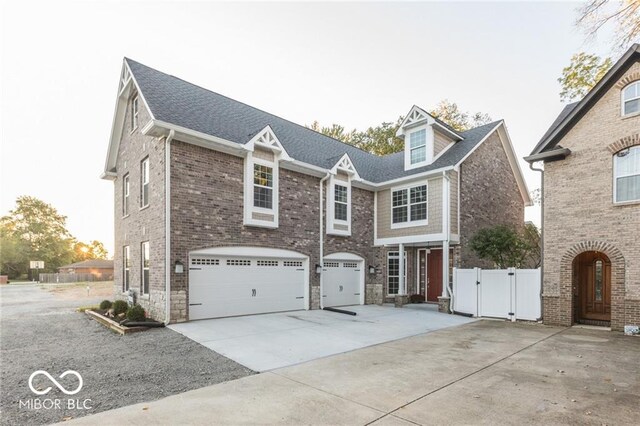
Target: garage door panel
(230, 286)
(341, 283)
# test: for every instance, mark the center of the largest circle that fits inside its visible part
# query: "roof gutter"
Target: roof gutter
(553, 155)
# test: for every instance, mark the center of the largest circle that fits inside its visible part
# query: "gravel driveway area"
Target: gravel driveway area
(39, 331)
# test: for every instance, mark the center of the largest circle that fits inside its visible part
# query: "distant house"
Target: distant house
(98, 267)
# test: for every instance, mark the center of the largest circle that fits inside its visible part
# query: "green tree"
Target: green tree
(533, 246)
(92, 250)
(335, 131)
(623, 15)
(34, 230)
(382, 139)
(502, 245)
(450, 113)
(584, 72)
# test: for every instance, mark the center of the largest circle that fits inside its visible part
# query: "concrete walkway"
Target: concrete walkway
(270, 341)
(486, 372)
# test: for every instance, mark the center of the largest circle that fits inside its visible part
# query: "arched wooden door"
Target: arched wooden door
(592, 274)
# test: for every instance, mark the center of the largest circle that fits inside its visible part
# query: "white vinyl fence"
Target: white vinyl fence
(499, 293)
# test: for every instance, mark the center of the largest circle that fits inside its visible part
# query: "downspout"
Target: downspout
(167, 226)
(447, 232)
(541, 233)
(322, 236)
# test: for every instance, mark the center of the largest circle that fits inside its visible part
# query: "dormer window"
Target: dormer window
(631, 99)
(418, 146)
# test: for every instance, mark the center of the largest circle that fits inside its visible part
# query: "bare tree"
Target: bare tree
(624, 15)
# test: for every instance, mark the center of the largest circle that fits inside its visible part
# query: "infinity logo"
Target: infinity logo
(55, 382)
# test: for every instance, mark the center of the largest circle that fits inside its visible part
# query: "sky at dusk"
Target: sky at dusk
(356, 64)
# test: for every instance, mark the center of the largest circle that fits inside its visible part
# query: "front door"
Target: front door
(434, 275)
(593, 274)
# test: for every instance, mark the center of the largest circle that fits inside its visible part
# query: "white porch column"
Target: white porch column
(445, 268)
(402, 290)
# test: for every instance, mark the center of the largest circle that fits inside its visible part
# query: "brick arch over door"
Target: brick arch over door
(617, 277)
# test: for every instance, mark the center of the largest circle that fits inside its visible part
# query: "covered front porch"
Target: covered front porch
(419, 272)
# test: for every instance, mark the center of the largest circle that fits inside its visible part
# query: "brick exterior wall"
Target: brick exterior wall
(207, 211)
(489, 195)
(579, 213)
(141, 224)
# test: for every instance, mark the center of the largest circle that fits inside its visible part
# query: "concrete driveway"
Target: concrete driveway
(486, 372)
(267, 342)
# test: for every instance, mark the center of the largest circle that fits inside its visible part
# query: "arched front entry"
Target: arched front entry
(592, 288)
(583, 298)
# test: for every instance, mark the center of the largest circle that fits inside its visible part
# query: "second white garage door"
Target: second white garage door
(342, 282)
(227, 285)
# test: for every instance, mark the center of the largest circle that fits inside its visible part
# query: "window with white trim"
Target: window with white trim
(339, 205)
(126, 268)
(144, 183)
(340, 202)
(418, 146)
(409, 205)
(134, 113)
(631, 98)
(393, 272)
(144, 266)
(262, 186)
(125, 195)
(626, 167)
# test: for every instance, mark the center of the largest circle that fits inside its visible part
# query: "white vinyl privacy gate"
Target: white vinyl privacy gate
(511, 293)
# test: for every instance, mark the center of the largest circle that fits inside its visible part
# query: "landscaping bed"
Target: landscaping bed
(122, 318)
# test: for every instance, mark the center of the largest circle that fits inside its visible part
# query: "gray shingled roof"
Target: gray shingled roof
(180, 103)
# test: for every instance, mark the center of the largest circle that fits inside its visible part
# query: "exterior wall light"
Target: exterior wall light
(179, 267)
(318, 269)
(372, 269)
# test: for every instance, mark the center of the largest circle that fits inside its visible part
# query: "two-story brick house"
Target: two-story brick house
(222, 209)
(591, 204)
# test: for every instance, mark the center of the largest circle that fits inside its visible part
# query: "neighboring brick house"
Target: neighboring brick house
(591, 204)
(101, 268)
(224, 205)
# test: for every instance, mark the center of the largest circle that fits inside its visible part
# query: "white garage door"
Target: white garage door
(222, 286)
(341, 282)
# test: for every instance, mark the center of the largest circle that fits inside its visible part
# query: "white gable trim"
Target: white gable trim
(416, 116)
(266, 138)
(346, 165)
(126, 86)
(507, 145)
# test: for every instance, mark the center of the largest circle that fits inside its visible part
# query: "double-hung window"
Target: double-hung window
(125, 195)
(631, 99)
(144, 265)
(626, 167)
(418, 146)
(341, 200)
(134, 113)
(262, 186)
(409, 206)
(144, 183)
(126, 263)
